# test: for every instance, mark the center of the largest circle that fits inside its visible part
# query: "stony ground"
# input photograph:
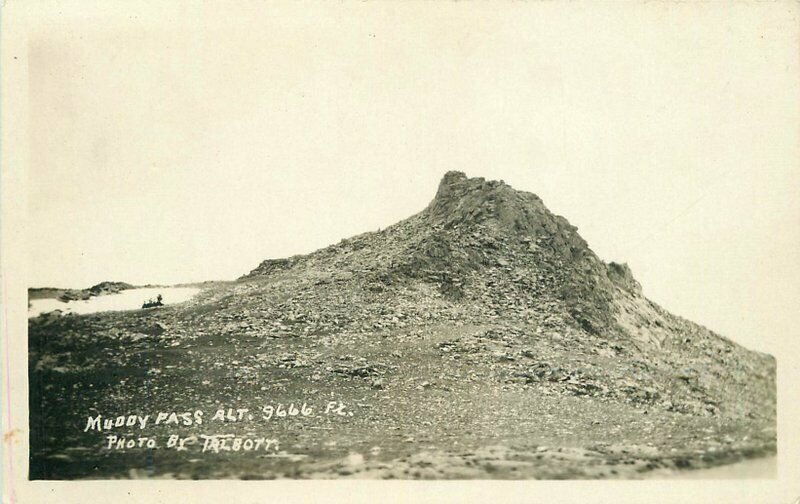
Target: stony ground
(480, 338)
(434, 399)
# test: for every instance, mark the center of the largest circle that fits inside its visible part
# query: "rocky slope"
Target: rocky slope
(479, 338)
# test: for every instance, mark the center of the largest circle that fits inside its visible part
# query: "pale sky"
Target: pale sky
(191, 143)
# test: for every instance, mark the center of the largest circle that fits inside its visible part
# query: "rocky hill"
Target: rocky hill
(494, 253)
(65, 295)
(480, 337)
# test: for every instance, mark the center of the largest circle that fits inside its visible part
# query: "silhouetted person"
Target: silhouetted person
(151, 304)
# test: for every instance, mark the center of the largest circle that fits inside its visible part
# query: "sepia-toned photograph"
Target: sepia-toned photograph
(419, 241)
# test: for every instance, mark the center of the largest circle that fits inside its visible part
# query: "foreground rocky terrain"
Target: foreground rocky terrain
(480, 338)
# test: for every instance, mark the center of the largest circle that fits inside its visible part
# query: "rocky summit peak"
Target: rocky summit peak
(460, 200)
(477, 230)
(452, 177)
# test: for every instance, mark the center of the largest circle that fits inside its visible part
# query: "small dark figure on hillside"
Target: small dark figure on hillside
(152, 304)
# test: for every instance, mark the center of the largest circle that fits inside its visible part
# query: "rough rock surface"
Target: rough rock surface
(480, 338)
